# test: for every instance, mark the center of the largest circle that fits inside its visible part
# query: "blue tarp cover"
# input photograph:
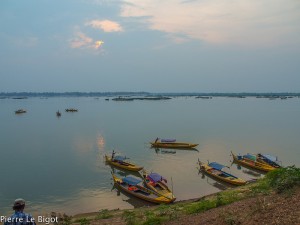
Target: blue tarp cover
(168, 140)
(155, 177)
(216, 165)
(119, 158)
(131, 180)
(270, 157)
(251, 157)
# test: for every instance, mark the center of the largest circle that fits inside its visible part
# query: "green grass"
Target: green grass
(104, 214)
(280, 180)
(83, 221)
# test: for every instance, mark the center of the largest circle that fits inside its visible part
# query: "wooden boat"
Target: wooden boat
(268, 159)
(215, 170)
(136, 187)
(250, 162)
(19, 111)
(71, 110)
(171, 143)
(157, 183)
(119, 161)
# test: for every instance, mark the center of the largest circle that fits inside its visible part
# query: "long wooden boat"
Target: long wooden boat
(164, 143)
(268, 159)
(19, 111)
(215, 170)
(157, 183)
(242, 160)
(120, 162)
(136, 187)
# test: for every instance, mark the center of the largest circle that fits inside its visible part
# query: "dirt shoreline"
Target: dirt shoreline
(271, 208)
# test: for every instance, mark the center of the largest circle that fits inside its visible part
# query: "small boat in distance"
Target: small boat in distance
(214, 169)
(157, 183)
(120, 162)
(136, 187)
(58, 114)
(19, 111)
(71, 110)
(171, 143)
(250, 161)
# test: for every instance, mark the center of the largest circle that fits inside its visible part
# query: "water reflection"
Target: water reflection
(250, 171)
(172, 150)
(132, 200)
(217, 183)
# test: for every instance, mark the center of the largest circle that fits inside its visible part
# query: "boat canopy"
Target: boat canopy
(270, 157)
(155, 177)
(119, 158)
(131, 180)
(216, 165)
(168, 140)
(251, 157)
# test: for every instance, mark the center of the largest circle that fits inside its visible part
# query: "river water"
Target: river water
(56, 164)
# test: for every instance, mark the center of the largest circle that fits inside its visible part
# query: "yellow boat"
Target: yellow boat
(157, 183)
(215, 170)
(136, 187)
(119, 161)
(171, 143)
(247, 161)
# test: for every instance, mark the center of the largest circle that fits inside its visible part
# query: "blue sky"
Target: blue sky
(150, 45)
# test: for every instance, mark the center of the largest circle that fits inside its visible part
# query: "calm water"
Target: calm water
(56, 164)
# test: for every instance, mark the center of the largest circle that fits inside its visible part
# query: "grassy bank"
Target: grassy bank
(282, 181)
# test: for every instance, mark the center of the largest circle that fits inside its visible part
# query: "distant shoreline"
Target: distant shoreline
(24, 95)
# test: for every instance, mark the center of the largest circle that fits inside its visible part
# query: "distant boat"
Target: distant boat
(19, 111)
(58, 114)
(71, 110)
(171, 143)
(215, 170)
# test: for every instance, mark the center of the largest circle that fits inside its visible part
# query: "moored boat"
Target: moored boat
(268, 159)
(250, 161)
(137, 188)
(120, 162)
(214, 169)
(157, 183)
(171, 143)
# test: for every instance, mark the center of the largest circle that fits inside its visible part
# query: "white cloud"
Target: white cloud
(105, 25)
(81, 40)
(243, 22)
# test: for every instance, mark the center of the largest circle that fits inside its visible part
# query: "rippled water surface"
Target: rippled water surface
(56, 164)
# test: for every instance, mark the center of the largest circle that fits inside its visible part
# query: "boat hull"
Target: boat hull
(125, 166)
(173, 145)
(216, 174)
(151, 198)
(160, 187)
(253, 164)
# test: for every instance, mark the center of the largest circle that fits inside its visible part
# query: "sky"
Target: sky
(150, 45)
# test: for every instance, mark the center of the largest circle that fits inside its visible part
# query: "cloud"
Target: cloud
(242, 22)
(81, 40)
(105, 25)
